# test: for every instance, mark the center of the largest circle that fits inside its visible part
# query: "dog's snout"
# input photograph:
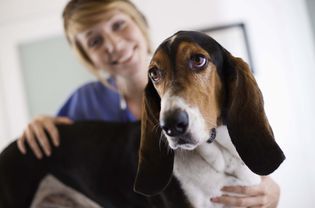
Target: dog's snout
(175, 122)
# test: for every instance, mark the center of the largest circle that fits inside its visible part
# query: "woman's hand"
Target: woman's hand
(264, 195)
(34, 134)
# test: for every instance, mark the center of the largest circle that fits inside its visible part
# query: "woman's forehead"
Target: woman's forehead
(110, 14)
(107, 17)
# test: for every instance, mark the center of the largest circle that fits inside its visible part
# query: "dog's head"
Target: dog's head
(194, 86)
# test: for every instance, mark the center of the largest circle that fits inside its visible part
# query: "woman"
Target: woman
(111, 39)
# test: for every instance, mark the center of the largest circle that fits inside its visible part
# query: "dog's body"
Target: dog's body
(91, 158)
(203, 121)
(99, 159)
(213, 166)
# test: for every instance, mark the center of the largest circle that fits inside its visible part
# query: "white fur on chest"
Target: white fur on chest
(203, 171)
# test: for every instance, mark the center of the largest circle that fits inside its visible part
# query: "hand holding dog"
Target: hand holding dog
(34, 134)
(264, 195)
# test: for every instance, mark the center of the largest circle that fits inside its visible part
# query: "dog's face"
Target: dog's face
(186, 79)
(196, 85)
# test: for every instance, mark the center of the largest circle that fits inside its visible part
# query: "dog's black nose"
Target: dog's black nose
(175, 122)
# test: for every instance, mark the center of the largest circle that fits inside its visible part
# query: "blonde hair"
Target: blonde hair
(79, 15)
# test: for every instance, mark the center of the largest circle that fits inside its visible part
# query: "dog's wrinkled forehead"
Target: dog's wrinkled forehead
(214, 49)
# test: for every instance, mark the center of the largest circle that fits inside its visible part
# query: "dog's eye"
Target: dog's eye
(155, 74)
(198, 61)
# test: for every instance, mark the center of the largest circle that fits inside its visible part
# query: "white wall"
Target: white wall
(22, 30)
(284, 58)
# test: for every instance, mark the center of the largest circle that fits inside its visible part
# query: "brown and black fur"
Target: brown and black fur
(99, 159)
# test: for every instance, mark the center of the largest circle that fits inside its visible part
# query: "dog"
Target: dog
(98, 159)
(203, 122)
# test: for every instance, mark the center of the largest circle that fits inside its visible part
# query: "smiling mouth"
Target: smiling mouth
(125, 59)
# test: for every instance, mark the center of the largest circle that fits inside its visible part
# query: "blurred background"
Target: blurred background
(38, 71)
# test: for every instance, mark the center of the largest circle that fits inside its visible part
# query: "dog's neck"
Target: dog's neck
(213, 135)
(203, 171)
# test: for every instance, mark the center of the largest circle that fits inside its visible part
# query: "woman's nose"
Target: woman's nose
(112, 43)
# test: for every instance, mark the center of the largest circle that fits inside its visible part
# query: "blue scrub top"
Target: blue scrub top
(95, 101)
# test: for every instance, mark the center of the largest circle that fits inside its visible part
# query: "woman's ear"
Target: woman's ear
(155, 166)
(246, 120)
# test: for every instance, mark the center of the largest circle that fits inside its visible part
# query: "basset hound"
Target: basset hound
(203, 122)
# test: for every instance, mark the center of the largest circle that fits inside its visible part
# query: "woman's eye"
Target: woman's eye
(198, 61)
(95, 42)
(118, 25)
(155, 74)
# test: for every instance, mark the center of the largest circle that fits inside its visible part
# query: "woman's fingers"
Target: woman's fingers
(39, 130)
(32, 143)
(21, 143)
(239, 201)
(52, 131)
(245, 190)
(51, 128)
(63, 120)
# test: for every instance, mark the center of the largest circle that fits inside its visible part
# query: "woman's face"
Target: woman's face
(116, 44)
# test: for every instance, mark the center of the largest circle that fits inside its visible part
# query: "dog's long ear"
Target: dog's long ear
(246, 120)
(155, 166)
